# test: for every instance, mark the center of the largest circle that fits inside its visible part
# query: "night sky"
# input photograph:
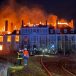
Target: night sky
(62, 8)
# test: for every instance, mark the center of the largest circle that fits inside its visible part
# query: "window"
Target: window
(65, 30)
(72, 30)
(41, 30)
(58, 31)
(51, 31)
(1, 38)
(34, 38)
(17, 32)
(17, 38)
(73, 38)
(66, 38)
(37, 30)
(34, 30)
(59, 38)
(26, 39)
(9, 39)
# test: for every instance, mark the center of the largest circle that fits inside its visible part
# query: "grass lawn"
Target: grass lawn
(33, 68)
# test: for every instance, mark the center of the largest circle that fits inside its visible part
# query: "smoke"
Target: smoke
(15, 13)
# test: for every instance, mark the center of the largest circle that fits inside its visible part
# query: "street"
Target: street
(58, 66)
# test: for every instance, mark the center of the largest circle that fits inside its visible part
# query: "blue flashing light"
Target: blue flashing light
(52, 46)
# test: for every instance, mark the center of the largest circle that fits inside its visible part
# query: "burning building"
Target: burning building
(38, 31)
(41, 38)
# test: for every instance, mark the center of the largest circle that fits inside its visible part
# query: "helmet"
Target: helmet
(20, 50)
(25, 48)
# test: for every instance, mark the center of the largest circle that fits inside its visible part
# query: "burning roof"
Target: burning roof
(15, 13)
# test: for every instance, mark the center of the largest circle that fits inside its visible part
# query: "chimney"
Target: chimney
(22, 23)
(12, 26)
(6, 25)
(46, 23)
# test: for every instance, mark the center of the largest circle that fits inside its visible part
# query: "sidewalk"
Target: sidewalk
(34, 68)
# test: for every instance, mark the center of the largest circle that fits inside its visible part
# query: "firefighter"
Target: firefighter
(20, 53)
(26, 56)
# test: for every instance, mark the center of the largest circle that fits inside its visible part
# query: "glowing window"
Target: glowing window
(1, 38)
(17, 38)
(1, 47)
(9, 39)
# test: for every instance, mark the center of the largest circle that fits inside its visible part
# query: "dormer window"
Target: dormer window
(72, 30)
(65, 30)
(58, 31)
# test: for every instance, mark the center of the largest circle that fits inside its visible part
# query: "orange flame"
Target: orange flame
(16, 13)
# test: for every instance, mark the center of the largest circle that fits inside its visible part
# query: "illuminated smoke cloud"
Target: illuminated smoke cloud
(15, 13)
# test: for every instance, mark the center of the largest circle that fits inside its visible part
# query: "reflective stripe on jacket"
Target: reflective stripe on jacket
(19, 55)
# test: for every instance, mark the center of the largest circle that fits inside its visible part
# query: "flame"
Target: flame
(15, 13)
(65, 23)
(71, 23)
(59, 23)
(52, 20)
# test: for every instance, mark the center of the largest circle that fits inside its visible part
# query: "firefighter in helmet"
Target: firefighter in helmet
(20, 58)
(26, 56)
